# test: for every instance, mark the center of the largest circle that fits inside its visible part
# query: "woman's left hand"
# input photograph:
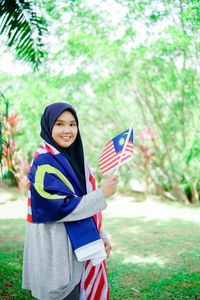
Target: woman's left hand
(107, 246)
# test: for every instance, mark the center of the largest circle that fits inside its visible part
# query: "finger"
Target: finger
(108, 253)
(114, 177)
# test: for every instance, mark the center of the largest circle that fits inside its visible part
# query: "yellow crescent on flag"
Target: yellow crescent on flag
(39, 181)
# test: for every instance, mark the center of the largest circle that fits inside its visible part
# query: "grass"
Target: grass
(12, 233)
(154, 259)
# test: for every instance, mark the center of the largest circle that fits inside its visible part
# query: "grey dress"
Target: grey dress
(50, 267)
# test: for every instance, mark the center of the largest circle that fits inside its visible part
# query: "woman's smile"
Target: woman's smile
(66, 138)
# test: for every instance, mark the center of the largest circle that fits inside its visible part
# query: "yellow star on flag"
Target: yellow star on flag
(121, 141)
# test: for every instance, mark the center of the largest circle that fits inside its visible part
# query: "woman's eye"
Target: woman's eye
(73, 124)
(59, 124)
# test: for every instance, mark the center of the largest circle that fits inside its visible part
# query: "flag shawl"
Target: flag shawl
(54, 192)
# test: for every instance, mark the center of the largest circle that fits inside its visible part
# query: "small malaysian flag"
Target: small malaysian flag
(114, 154)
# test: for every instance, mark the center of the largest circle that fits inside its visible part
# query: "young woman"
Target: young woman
(65, 245)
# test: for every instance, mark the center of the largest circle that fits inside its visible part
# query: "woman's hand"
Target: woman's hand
(107, 246)
(109, 186)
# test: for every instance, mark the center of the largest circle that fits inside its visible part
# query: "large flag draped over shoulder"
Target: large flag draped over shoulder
(111, 155)
(53, 193)
(94, 281)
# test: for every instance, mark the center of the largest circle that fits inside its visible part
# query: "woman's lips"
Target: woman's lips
(66, 138)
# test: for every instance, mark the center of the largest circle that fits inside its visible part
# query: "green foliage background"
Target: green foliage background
(118, 62)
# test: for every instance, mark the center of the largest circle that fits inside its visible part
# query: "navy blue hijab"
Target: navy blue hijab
(73, 153)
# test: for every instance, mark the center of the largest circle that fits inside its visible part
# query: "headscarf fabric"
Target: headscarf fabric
(74, 153)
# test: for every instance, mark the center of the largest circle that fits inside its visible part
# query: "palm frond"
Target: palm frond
(24, 30)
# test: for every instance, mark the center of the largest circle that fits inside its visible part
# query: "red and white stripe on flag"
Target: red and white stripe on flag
(94, 283)
(109, 158)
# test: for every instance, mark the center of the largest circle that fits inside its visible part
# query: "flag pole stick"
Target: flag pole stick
(124, 148)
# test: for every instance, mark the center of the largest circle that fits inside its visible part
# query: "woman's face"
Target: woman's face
(65, 129)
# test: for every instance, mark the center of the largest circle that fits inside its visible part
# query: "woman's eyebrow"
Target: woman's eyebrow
(61, 120)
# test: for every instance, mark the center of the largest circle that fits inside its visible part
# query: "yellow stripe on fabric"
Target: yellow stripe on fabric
(39, 181)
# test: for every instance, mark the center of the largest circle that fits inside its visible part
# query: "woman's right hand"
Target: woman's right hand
(109, 186)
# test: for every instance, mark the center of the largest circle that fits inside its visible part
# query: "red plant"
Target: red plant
(148, 134)
(9, 132)
(12, 160)
(147, 151)
(13, 120)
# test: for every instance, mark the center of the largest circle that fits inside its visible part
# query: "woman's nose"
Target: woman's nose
(67, 128)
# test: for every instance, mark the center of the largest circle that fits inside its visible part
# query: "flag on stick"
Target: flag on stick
(117, 151)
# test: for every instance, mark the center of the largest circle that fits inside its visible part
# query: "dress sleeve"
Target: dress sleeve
(90, 205)
(102, 234)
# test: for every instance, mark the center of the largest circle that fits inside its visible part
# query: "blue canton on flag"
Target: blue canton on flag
(119, 140)
(111, 154)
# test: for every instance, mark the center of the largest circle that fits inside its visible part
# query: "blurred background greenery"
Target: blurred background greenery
(116, 62)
